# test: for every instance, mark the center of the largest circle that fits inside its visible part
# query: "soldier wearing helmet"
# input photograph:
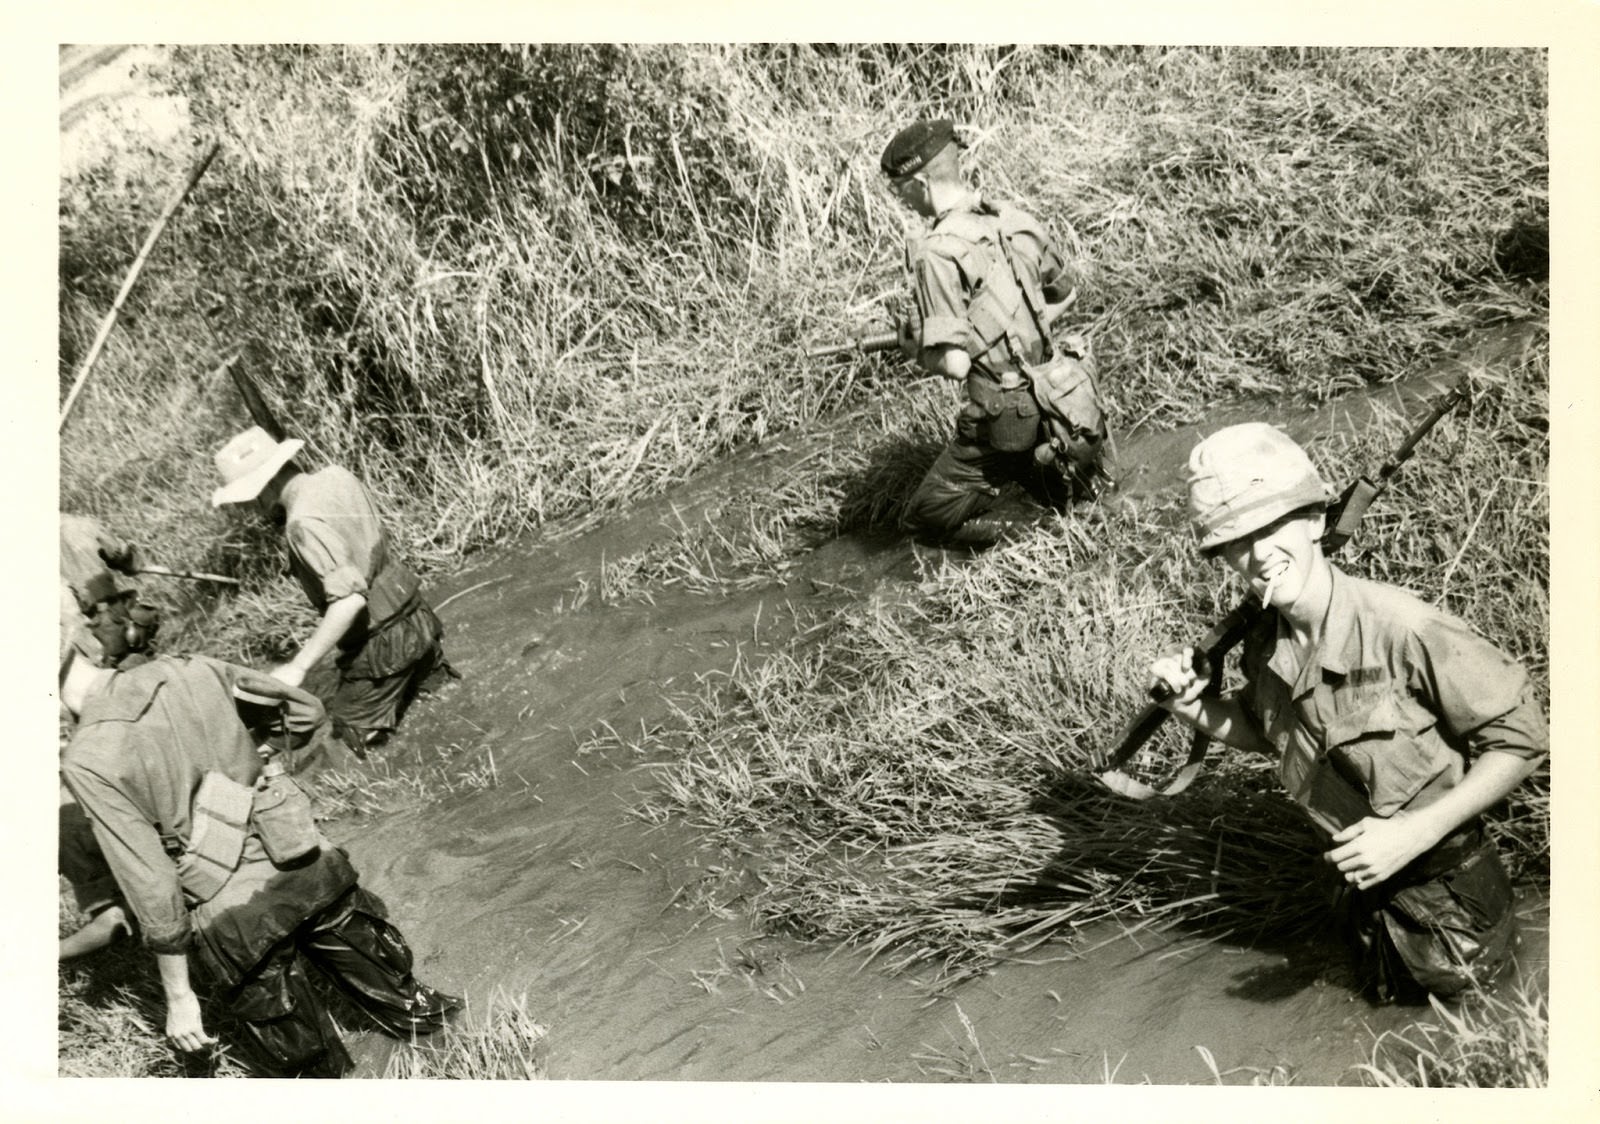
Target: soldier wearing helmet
(1394, 724)
(987, 281)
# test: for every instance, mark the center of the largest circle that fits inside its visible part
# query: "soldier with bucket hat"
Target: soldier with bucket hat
(383, 635)
(1394, 724)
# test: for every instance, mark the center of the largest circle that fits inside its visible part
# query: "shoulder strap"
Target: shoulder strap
(1027, 300)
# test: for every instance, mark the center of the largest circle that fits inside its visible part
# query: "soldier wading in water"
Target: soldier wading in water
(1394, 724)
(374, 616)
(215, 853)
(986, 283)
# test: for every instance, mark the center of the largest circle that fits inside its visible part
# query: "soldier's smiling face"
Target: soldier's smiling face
(1283, 554)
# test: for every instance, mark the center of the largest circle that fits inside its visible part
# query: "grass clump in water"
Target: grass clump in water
(1488, 1042)
(913, 777)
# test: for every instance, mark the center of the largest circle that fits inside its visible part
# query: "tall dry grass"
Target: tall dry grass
(514, 285)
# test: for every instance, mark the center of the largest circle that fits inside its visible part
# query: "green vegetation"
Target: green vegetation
(515, 286)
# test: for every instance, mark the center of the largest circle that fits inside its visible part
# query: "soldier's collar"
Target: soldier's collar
(127, 694)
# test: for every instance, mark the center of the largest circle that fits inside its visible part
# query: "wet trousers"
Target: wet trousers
(289, 1030)
(1442, 927)
(965, 480)
(367, 689)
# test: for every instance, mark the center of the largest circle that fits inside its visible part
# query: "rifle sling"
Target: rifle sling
(1124, 785)
(1222, 638)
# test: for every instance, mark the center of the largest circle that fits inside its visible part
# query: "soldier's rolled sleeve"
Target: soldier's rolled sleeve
(132, 847)
(324, 552)
(942, 302)
(1482, 697)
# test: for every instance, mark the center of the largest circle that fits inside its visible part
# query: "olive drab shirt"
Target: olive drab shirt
(966, 290)
(338, 546)
(1389, 709)
(143, 744)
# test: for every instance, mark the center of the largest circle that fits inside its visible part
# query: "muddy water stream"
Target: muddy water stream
(615, 933)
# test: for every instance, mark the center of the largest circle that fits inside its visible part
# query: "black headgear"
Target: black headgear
(913, 146)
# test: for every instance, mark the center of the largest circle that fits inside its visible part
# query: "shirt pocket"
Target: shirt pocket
(1385, 752)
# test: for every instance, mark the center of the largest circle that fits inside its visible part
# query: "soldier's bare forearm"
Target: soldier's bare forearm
(336, 621)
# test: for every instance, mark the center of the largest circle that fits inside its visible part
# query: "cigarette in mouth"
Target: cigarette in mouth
(1266, 594)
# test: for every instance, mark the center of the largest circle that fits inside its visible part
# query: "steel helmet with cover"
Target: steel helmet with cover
(1246, 476)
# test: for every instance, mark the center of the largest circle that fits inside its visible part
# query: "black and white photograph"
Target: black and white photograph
(818, 561)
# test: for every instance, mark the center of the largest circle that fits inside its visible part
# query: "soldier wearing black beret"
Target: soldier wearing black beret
(987, 282)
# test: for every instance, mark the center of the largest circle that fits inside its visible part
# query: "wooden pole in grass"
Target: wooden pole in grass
(128, 282)
(191, 575)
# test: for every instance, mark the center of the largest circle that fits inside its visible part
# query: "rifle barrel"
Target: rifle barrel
(1445, 404)
(191, 575)
(884, 341)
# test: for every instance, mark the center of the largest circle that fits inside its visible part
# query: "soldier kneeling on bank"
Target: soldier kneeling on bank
(987, 285)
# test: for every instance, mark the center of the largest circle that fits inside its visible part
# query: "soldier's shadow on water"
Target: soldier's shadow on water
(873, 496)
(1228, 861)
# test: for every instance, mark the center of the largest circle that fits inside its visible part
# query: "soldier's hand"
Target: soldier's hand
(119, 555)
(1175, 680)
(1374, 849)
(184, 1026)
(909, 335)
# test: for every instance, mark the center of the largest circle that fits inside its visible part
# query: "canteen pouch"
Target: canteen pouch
(1008, 417)
(221, 816)
(1065, 389)
(281, 816)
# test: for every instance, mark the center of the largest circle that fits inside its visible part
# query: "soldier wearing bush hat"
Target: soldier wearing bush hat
(1394, 724)
(987, 281)
(382, 633)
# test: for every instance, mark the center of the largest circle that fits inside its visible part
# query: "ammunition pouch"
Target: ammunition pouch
(392, 589)
(220, 814)
(384, 647)
(1007, 417)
